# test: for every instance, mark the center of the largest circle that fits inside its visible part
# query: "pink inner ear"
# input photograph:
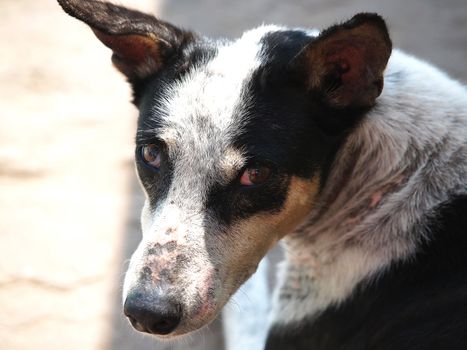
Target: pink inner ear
(348, 60)
(351, 62)
(132, 48)
(135, 55)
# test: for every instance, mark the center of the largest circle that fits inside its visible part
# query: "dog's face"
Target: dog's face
(221, 187)
(233, 142)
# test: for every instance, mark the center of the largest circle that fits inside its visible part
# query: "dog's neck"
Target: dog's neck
(389, 175)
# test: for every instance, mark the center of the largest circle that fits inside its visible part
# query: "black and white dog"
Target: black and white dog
(289, 134)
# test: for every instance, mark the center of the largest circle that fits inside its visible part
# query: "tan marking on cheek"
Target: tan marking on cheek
(300, 201)
(256, 235)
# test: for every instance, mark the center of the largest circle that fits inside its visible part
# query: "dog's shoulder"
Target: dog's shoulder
(419, 303)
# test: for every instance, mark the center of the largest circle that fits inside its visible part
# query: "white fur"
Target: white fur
(214, 90)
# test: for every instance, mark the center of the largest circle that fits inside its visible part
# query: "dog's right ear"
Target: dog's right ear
(346, 62)
(141, 43)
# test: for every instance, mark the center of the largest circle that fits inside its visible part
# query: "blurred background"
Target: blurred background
(69, 198)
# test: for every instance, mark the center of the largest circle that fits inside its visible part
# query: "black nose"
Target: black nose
(151, 312)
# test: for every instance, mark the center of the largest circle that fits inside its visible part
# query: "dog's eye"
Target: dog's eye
(255, 175)
(151, 155)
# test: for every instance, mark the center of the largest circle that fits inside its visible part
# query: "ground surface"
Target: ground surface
(69, 200)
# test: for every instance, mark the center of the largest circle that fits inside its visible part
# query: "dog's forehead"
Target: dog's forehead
(209, 99)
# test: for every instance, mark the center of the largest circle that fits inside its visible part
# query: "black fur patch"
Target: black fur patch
(283, 125)
(233, 202)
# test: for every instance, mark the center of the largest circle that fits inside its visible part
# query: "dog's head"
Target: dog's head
(234, 140)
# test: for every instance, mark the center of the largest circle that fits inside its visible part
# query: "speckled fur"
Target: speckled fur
(410, 150)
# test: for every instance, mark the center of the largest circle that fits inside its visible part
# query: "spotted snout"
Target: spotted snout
(169, 288)
(149, 305)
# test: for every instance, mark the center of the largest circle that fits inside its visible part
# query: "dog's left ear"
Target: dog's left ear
(345, 64)
(141, 43)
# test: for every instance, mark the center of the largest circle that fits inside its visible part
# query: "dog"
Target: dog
(353, 154)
